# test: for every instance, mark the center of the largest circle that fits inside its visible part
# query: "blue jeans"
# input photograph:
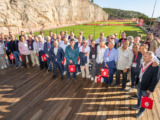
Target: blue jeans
(68, 73)
(17, 55)
(110, 78)
(141, 93)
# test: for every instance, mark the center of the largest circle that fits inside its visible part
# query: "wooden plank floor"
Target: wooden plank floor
(33, 95)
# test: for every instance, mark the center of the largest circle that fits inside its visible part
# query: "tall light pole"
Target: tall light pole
(153, 12)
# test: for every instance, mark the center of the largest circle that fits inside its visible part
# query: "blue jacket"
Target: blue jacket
(46, 49)
(111, 64)
(83, 58)
(31, 44)
(56, 58)
(7, 45)
(76, 44)
(14, 45)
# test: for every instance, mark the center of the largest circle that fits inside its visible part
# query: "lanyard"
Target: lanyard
(83, 49)
(135, 57)
(143, 70)
(93, 50)
(6, 43)
(123, 40)
(40, 44)
(48, 45)
(30, 42)
(109, 53)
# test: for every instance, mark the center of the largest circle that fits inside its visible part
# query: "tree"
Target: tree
(92, 1)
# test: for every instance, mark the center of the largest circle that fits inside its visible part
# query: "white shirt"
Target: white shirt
(88, 42)
(124, 58)
(158, 52)
(63, 46)
(86, 50)
(40, 46)
(36, 47)
(100, 54)
(97, 41)
(2, 47)
(144, 67)
(55, 51)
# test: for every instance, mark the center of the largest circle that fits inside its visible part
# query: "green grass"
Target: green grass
(95, 30)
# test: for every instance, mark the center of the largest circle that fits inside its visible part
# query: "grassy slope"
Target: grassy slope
(108, 30)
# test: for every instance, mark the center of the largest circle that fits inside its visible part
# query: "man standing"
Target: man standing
(15, 51)
(110, 59)
(84, 59)
(122, 40)
(57, 55)
(71, 55)
(30, 42)
(47, 47)
(101, 38)
(125, 56)
(148, 79)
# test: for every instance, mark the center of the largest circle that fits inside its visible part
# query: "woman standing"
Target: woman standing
(24, 51)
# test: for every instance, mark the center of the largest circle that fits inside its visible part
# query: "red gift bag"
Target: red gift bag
(71, 68)
(104, 72)
(146, 102)
(64, 62)
(44, 58)
(11, 57)
(98, 78)
(20, 57)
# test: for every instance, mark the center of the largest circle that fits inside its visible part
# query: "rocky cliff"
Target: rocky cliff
(44, 13)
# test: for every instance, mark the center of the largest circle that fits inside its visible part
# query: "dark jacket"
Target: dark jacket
(150, 78)
(93, 51)
(83, 58)
(76, 44)
(138, 61)
(56, 58)
(46, 49)
(30, 46)
(14, 45)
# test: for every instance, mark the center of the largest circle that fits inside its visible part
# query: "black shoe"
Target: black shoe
(116, 85)
(139, 114)
(49, 70)
(134, 96)
(54, 76)
(68, 80)
(62, 78)
(123, 89)
(135, 107)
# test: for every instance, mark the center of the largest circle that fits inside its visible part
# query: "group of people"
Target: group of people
(136, 60)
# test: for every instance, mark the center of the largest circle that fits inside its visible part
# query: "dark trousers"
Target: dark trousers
(109, 79)
(24, 60)
(49, 64)
(59, 65)
(42, 63)
(124, 80)
(78, 68)
(68, 73)
(134, 77)
(10, 61)
(99, 66)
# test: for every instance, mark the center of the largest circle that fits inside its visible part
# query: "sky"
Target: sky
(143, 6)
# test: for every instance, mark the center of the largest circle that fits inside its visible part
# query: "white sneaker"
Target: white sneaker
(78, 73)
(92, 78)
(2, 67)
(64, 73)
(5, 66)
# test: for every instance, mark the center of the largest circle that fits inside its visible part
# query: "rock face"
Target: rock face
(38, 13)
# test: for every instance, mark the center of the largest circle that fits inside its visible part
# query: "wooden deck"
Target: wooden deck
(33, 95)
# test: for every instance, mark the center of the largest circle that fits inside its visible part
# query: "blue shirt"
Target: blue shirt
(71, 54)
(113, 56)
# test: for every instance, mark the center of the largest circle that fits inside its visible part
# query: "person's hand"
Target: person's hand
(70, 61)
(47, 55)
(106, 65)
(86, 54)
(149, 92)
(155, 64)
(125, 70)
(129, 69)
(36, 54)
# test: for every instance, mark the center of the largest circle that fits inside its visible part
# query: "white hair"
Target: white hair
(40, 36)
(49, 37)
(113, 43)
